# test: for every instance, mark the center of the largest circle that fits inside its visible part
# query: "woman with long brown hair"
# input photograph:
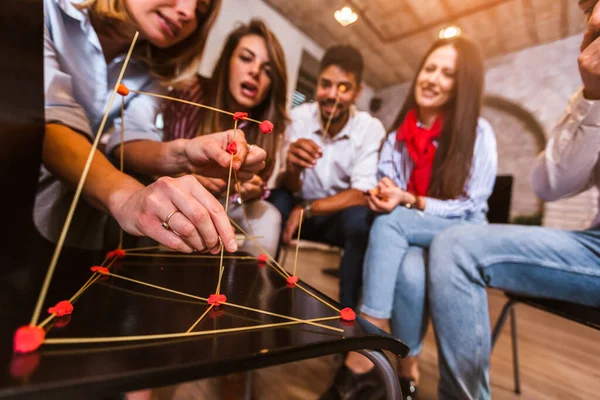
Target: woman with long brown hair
(436, 170)
(249, 76)
(85, 48)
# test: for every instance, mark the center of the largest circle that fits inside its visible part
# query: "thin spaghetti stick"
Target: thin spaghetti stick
(90, 282)
(92, 279)
(84, 174)
(143, 248)
(104, 349)
(203, 299)
(298, 241)
(284, 271)
(337, 101)
(74, 298)
(243, 204)
(122, 158)
(189, 256)
(230, 169)
(152, 296)
(200, 319)
(275, 269)
(221, 269)
(114, 339)
(317, 297)
(222, 266)
(260, 247)
(158, 287)
(191, 103)
(282, 316)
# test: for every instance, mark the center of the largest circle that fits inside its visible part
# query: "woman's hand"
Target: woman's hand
(388, 196)
(198, 222)
(207, 155)
(252, 189)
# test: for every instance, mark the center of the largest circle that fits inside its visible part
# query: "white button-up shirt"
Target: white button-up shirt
(349, 159)
(570, 164)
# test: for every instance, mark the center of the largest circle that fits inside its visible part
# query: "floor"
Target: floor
(559, 359)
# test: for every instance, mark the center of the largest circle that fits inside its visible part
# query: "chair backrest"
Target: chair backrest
(499, 201)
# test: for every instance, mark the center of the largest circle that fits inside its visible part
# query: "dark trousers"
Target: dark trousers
(348, 229)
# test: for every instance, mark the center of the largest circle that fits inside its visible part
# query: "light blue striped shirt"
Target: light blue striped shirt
(78, 84)
(479, 185)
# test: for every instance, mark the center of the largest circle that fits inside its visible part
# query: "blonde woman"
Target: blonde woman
(85, 43)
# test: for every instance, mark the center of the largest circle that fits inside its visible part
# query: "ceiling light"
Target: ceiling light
(450, 32)
(345, 16)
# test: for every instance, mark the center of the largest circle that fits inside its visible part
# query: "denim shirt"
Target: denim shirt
(396, 164)
(78, 83)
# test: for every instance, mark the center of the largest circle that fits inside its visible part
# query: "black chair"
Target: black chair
(588, 316)
(499, 212)
(499, 201)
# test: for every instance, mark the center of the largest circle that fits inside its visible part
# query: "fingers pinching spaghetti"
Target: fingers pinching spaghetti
(206, 214)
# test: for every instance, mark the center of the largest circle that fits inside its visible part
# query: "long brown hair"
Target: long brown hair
(454, 154)
(173, 64)
(273, 107)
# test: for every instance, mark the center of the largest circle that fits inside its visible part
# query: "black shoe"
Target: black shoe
(409, 388)
(350, 386)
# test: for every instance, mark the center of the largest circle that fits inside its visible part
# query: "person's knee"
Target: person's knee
(411, 275)
(272, 215)
(455, 251)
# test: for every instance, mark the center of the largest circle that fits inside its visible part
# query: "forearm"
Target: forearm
(65, 153)
(150, 157)
(565, 167)
(338, 202)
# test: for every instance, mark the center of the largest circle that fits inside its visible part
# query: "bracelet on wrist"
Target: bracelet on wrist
(416, 203)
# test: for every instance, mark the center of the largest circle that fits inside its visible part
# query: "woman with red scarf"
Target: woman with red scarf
(436, 170)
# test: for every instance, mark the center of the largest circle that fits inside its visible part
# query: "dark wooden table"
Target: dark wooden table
(114, 307)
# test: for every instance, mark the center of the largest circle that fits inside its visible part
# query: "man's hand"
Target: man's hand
(589, 65)
(252, 189)
(303, 153)
(208, 156)
(215, 186)
(197, 225)
(292, 225)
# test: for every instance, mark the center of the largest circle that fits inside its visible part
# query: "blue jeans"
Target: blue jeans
(395, 271)
(533, 261)
(348, 229)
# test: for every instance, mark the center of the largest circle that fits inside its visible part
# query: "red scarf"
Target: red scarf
(419, 143)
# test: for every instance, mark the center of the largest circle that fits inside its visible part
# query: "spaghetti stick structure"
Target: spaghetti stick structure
(30, 337)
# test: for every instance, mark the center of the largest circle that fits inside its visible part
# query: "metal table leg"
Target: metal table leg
(386, 372)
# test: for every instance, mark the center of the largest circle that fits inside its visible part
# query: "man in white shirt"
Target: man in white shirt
(331, 153)
(532, 261)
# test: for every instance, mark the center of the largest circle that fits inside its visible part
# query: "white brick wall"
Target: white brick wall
(540, 80)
